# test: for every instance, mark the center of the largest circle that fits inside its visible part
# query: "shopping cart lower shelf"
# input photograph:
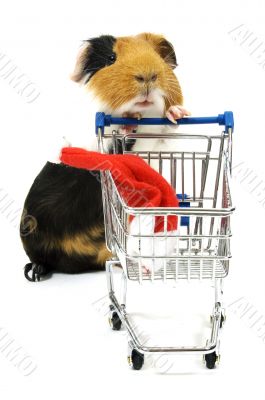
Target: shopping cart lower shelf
(198, 166)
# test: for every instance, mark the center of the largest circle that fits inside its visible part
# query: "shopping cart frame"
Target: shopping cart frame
(118, 314)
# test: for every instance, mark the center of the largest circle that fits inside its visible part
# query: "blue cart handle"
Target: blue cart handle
(226, 119)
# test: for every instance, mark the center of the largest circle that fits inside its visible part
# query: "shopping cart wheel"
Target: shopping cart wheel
(114, 321)
(136, 359)
(211, 359)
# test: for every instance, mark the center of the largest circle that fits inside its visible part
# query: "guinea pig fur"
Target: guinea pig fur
(130, 76)
(62, 225)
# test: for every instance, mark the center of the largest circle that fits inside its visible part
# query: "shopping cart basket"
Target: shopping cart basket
(198, 166)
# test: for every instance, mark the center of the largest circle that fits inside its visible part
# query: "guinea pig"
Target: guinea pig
(62, 224)
(130, 76)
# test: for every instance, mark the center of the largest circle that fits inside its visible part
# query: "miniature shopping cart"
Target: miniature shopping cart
(198, 167)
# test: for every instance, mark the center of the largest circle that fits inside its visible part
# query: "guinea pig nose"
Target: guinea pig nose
(140, 78)
(146, 78)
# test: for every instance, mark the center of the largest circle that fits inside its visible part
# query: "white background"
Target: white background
(59, 322)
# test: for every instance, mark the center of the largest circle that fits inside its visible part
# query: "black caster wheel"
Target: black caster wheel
(211, 360)
(136, 359)
(114, 321)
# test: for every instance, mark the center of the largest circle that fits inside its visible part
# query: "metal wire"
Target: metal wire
(201, 248)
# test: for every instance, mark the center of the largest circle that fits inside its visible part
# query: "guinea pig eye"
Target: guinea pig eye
(112, 58)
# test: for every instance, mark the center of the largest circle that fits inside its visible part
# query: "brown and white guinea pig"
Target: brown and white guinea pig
(62, 225)
(131, 76)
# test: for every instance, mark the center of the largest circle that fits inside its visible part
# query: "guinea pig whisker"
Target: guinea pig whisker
(119, 100)
(173, 89)
(169, 93)
(170, 99)
(171, 80)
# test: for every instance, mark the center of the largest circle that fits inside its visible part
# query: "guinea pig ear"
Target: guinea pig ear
(164, 48)
(79, 70)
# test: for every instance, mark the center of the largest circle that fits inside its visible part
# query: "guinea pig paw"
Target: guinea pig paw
(136, 115)
(176, 112)
(130, 128)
